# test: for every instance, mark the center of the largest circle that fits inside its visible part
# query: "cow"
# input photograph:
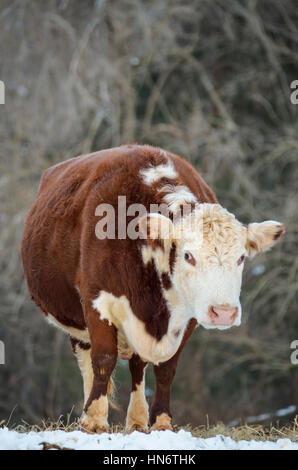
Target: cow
(137, 297)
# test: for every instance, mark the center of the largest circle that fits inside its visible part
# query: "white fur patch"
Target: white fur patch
(124, 350)
(96, 417)
(137, 412)
(161, 258)
(155, 173)
(216, 243)
(117, 311)
(177, 196)
(162, 422)
(84, 361)
(82, 335)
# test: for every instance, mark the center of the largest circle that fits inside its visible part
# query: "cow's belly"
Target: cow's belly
(125, 350)
(132, 335)
(81, 335)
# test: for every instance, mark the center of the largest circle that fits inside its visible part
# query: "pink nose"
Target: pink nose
(222, 314)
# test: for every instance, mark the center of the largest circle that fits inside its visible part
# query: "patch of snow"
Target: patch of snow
(22, 91)
(156, 440)
(148, 392)
(264, 416)
(257, 419)
(257, 270)
(286, 411)
(134, 61)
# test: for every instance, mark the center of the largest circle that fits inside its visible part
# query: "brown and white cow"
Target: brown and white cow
(139, 298)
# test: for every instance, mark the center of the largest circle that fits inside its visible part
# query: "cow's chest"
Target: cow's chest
(132, 334)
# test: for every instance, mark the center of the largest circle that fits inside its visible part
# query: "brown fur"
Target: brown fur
(136, 366)
(164, 375)
(75, 342)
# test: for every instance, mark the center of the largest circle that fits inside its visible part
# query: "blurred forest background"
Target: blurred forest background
(209, 80)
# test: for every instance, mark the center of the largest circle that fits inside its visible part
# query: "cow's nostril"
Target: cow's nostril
(234, 314)
(213, 311)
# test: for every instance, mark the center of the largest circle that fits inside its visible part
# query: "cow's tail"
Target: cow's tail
(111, 392)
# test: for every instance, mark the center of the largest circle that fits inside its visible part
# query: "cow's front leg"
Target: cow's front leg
(103, 356)
(137, 413)
(160, 415)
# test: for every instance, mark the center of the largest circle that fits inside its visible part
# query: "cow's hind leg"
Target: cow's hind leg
(137, 413)
(103, 358)
(82, 351)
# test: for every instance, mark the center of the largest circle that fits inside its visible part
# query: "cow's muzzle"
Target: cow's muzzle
(223, 315)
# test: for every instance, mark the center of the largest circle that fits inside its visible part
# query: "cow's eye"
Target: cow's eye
(189, 258)
(240, 260)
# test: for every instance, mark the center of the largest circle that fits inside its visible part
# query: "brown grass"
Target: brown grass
(237, 433)
(247, 432)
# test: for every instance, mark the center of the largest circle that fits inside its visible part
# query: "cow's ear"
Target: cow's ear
(261, 237)
(156, 228)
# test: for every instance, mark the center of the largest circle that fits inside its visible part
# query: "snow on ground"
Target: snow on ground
(156, 440)
(265, 416)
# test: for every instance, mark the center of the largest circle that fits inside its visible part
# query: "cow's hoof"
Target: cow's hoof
(162, 427)
(94, 430)
(91, 425)
(137, 427)
(163, 422)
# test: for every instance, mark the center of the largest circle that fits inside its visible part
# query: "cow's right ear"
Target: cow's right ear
(156, 228)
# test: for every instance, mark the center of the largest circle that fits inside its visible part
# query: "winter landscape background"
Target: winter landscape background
(210, 81)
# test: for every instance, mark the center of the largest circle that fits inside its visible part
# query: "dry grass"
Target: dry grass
(248, 432)
(237, 433)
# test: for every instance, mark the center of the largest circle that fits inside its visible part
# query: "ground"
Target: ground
(216, 438)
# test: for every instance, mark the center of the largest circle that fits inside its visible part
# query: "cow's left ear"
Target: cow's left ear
(156, 228)
(261, 237)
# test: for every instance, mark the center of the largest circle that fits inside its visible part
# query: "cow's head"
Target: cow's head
(201, 258)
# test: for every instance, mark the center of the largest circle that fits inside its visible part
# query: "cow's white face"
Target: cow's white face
(211, 246)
